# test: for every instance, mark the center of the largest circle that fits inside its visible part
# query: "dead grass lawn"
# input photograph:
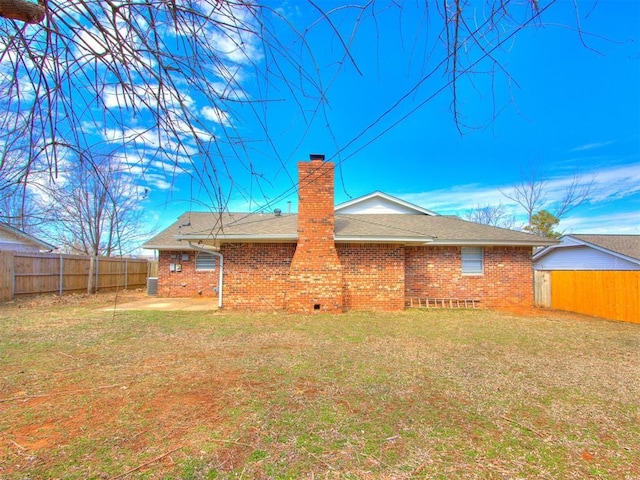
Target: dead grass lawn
(86, 393)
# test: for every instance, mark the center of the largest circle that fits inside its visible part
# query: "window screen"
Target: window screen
(472, 261)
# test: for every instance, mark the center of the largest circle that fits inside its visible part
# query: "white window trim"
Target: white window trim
(473, 252)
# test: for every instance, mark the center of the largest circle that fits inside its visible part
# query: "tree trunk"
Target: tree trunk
(91, 284)
(23, 10)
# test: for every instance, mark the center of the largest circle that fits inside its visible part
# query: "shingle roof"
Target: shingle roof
(200, 226)
(439, 229)
(628, 245)
(379, 228)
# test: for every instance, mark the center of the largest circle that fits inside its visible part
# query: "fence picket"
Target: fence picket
(608, 294)
(28, 273)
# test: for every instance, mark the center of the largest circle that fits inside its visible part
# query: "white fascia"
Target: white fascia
(217, 239)
(370, 239)
(496, 243)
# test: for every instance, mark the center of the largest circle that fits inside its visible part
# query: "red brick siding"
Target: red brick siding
(188, 282)
(373, 276)
(256, 275)
(315, 281)
(437, 272)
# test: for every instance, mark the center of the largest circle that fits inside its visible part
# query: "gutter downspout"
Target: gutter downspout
(221, 269)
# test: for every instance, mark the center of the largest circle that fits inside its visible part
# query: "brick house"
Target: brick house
(371, 253)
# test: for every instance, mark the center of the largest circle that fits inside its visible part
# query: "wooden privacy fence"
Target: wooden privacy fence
(34, 273)
(613, 295)
(542, 288)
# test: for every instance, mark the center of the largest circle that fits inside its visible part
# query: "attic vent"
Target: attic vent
(317, 156)
(277, 212)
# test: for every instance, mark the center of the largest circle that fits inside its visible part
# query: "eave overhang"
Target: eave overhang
(182, 241)
(494, 243)
(371, 239)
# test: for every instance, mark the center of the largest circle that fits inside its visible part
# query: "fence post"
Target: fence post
(126, 274)
(97, 278)
(7, 275)
(60, 290)
(13, 276)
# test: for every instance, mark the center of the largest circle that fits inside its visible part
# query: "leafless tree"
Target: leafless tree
(535, 189)
(575, 194)
(20, 209)
(494, 215)
(173, 81)
(97, 208)
(529, 193)
(19, 200)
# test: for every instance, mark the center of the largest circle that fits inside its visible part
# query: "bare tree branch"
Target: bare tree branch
(23, 10)
(494, 215)
(529, 193)
(575, 195)
(97, 207)
(172, 84)
(533, 192)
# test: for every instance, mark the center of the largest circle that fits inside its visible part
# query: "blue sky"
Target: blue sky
(568, 104)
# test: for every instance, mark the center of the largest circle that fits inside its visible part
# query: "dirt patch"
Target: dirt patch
(129, 421)
(524, 311)
(75, 299)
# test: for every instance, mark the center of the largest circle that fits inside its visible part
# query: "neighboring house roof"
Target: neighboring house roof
(418, 229)
(627, 245)
(13, 239)
(591, 252)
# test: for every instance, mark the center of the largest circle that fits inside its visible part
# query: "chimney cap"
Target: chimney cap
(316, 156)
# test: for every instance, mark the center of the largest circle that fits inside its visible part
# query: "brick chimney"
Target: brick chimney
(315, 275)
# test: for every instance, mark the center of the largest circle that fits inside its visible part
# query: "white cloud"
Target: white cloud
(612, 187)
(216, 115)
(616, 183)
(289, 10)
(591, 146)
(157, 182)
(168, 167)
(141, 96)
(457, 200)
(622, 223)
(181, 148)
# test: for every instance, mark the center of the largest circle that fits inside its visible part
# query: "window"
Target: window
(472, 261)
(205, 261)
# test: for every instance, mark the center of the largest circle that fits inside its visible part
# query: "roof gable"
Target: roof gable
(16, 240)
(380, 203)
